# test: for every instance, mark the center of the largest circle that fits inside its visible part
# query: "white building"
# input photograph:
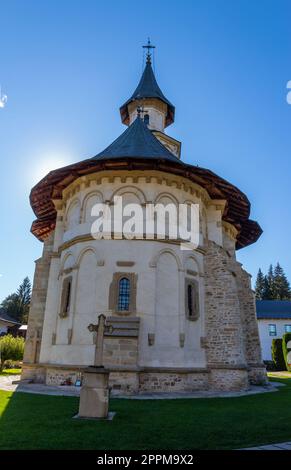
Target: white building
(182, 320)
(274, 319)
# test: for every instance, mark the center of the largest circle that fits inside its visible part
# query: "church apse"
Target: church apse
(181, 319)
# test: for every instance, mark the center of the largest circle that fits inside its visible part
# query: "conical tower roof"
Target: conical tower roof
(148, 88)
(137, 141)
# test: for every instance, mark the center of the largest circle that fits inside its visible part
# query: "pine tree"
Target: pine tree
(17, 305)
(24, 295)
(269, 285)
(282, 289)
(260, 285)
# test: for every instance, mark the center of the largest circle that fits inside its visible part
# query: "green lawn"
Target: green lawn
(45, 422)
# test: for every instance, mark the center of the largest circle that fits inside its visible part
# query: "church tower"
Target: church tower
(158, 112)
(175, 319)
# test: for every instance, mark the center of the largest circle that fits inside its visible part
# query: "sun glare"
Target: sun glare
(45, 165)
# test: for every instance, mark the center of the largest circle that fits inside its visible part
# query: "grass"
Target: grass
(11, 372)
(30, 421)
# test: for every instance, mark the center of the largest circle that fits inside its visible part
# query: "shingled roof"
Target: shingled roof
(273, 309)
(137, 141)
(148, 88)
(137, 149)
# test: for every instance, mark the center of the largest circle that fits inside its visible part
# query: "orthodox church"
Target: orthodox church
(176, 320)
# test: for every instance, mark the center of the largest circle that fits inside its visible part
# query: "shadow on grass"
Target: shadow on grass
(31, 421)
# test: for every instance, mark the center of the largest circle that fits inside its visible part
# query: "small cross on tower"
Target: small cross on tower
(100, 329)
(149, 46)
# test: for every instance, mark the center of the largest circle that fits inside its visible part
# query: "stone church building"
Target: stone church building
(181, 319)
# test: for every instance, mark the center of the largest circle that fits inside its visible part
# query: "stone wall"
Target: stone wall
(223, 327)
(229, 379)
(37, 307)
(232, 340)
(252, 346)
(174, 381)
(120, 352)
(124, 382)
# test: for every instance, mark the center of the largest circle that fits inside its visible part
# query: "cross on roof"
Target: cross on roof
(149, 46)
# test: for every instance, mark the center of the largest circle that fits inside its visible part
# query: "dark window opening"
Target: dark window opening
(67, 298)
(146, 119)
(190, 300)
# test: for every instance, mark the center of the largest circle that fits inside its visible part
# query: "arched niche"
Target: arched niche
(72, 218)
(89, 201)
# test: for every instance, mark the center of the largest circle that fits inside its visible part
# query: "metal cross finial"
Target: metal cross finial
(149, 46)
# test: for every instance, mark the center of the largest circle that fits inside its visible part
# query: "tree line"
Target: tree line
(274, 285)
(17, 305)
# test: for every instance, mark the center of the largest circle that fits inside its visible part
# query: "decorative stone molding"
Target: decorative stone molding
(70, 335)
(182, 339)
(192, 273)
(151, 339)
(125, 263)
(94, 180)
(54, 338)
(154, 261)
(87, 237)
(203, 342)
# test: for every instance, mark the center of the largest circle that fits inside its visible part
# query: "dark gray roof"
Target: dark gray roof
(5, 317)
(137, 141)
(273, 309)
(148, 88)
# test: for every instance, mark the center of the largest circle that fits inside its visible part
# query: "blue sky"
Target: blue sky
(68, 65)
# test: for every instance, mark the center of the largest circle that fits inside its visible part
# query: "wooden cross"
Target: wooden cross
(100, 329)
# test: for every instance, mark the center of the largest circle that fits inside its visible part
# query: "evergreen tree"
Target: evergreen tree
(24, 295)
(281, 289)
(11, 306)
(269, 285)
(17, 305)
(260, 285)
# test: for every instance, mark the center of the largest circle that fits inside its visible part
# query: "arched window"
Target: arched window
(66, 297)
(192, 299)
(123, 294)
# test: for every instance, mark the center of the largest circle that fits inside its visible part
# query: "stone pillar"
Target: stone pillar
(30, 369)
(94, 396)
(256, 369)
(224, 332)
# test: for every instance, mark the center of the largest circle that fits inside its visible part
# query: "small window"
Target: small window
(272, 330)
(146, 119)
(123, 294)
(287, 328)
(66, 297)
(192, 299)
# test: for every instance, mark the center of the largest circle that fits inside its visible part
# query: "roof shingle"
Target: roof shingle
(276, 309)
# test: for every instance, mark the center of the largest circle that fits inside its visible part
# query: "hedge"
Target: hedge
(11, 348)
(285, 340)
(277, 354)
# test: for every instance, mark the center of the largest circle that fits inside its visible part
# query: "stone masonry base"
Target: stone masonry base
(129, 382)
